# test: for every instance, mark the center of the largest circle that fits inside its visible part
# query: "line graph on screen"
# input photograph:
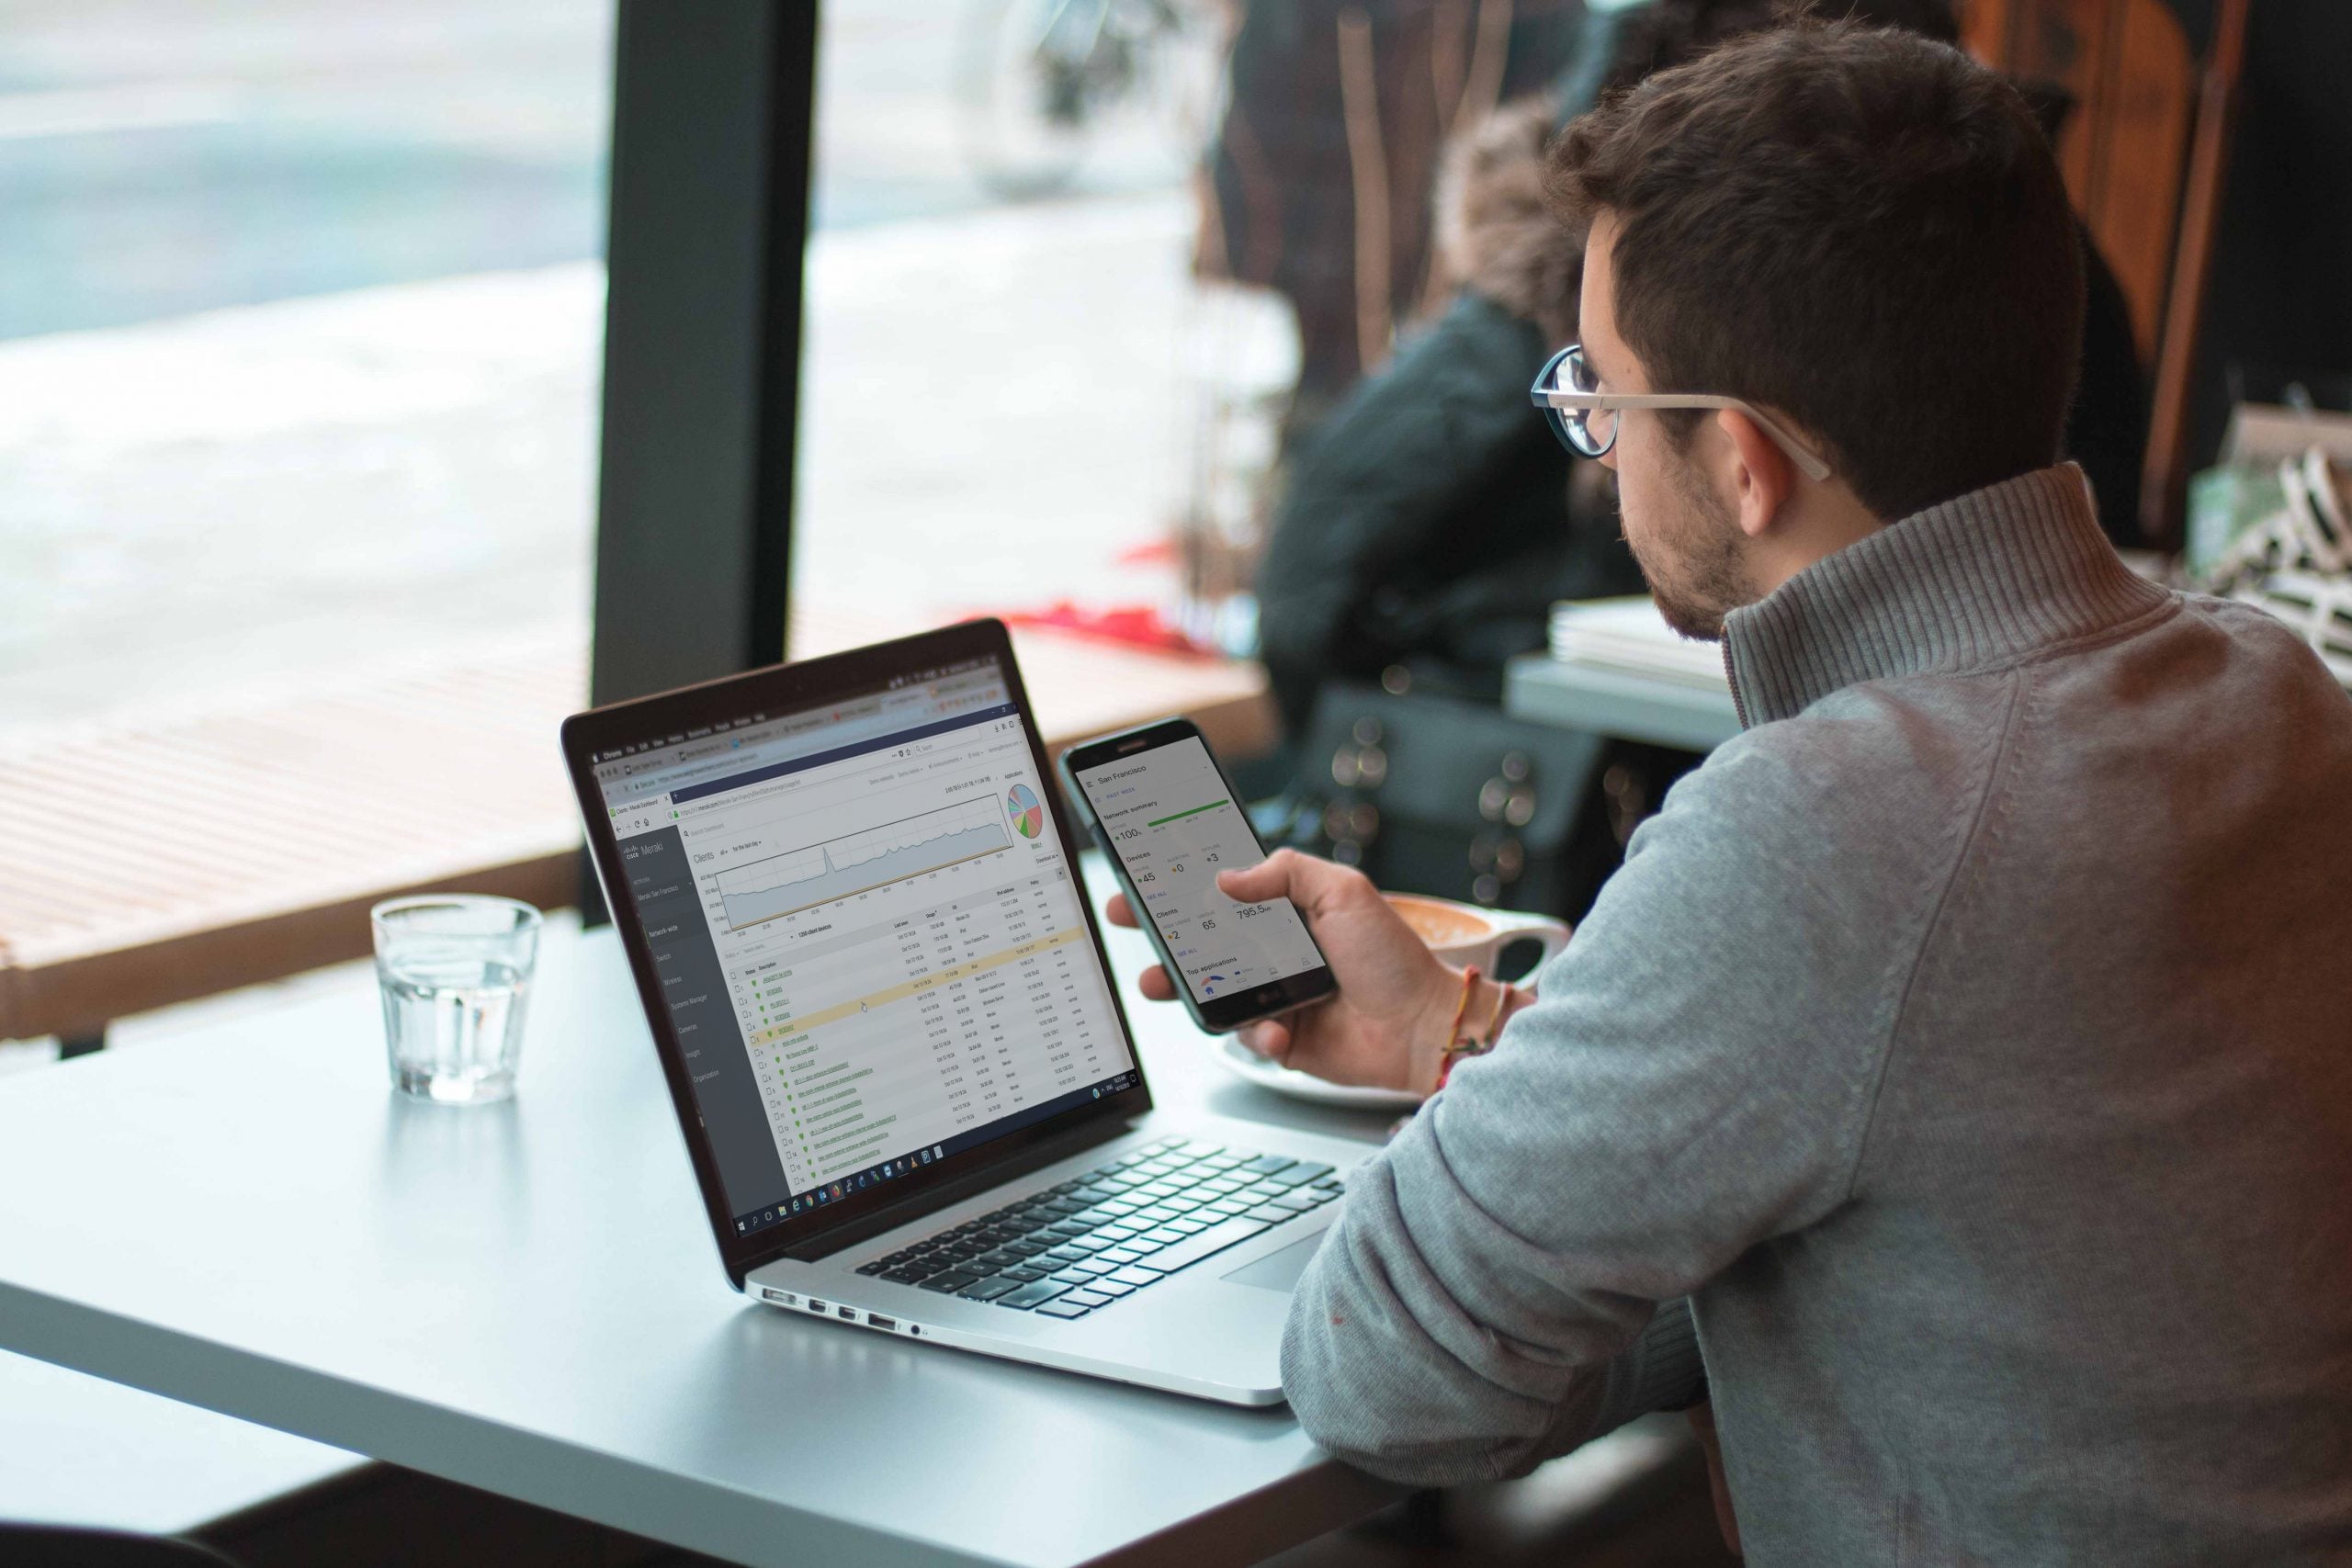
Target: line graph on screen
(843, 867)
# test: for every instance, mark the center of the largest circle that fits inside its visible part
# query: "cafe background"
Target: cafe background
(361, 413)
(381, 381)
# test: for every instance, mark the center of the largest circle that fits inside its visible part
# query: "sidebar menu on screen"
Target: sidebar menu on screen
(694, 989)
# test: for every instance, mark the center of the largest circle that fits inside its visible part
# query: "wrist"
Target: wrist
(1425, 1045)
(1464, 1017)
(1516, 999)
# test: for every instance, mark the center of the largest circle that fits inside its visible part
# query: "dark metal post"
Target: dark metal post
(712, 113)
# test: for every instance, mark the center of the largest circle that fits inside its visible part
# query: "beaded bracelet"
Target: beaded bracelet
(1478, 1043)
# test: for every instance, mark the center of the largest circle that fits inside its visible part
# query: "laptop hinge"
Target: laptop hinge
(952, 1192)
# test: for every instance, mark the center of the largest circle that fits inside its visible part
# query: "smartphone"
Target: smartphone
(1168, 817)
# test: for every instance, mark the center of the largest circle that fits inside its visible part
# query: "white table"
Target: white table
(1617, 702)
(80, 1451)
(524, 1298)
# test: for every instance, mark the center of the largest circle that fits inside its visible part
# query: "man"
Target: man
(1968, 1042)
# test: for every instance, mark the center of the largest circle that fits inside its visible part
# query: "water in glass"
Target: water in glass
(456, 976)
(455, 1027)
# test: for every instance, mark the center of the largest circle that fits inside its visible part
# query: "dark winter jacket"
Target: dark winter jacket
(1429, 522)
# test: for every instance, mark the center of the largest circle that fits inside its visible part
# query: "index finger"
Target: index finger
(1118, 911)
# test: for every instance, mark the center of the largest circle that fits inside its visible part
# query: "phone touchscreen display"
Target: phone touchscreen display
(1174, 825)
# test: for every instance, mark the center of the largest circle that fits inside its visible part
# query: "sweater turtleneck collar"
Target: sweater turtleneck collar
(1982, 580)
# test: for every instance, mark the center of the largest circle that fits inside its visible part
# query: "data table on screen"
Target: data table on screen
(904, 948)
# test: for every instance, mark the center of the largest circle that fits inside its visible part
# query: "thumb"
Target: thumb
(1317, 887)
(1269, 878)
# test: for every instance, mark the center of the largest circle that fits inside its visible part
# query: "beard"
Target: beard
(1692, 561)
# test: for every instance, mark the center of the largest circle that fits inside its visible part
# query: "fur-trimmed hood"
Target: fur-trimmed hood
(1498, 235)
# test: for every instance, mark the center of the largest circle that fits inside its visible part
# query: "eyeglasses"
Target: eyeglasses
(1585, 418)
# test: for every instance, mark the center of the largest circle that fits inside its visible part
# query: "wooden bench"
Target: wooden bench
(148, 864)
(170, 859)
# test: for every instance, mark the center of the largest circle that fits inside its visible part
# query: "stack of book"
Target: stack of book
(1630, 636)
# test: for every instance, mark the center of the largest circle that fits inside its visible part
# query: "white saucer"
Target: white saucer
(1244, 1063)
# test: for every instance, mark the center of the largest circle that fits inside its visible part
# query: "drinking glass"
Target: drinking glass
(454, 970)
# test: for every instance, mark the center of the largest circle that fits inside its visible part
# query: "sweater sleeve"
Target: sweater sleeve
(1694, 1081)
(1663, 1370)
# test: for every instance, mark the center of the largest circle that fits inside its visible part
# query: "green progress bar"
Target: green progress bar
(1212, 806)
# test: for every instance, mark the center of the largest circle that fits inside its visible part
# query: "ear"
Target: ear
(1762, 478)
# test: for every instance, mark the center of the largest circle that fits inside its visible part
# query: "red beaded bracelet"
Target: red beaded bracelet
(1456, 1046)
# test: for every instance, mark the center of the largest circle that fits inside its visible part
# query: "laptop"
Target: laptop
(851, 898)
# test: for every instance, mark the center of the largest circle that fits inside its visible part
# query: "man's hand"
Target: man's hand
(1385, 1027)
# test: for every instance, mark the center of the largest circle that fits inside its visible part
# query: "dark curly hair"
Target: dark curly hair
(1674, 32)
(1858, 226)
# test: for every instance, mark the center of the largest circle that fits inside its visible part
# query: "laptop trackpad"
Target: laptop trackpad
(1279, 1270)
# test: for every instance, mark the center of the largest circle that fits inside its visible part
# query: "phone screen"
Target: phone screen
(1167, 815)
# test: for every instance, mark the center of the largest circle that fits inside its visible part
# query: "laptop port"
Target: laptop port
(846, 1313)
(875, 1320)
(816, 1305)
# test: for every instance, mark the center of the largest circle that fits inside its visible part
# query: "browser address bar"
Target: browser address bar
(818, 737)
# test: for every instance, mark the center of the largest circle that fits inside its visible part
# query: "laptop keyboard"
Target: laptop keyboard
(1120, 1228)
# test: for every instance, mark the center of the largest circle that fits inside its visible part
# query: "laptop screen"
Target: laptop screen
(871, 944)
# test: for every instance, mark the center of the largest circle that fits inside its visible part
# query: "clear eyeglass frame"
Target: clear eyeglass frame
(1585, 418)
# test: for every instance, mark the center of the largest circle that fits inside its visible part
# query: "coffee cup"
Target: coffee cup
(1463, 934)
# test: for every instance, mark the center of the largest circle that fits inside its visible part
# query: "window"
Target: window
(1016, 394)
(300, 311)
(301, 318)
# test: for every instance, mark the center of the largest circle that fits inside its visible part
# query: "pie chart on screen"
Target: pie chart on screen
(1028, 817)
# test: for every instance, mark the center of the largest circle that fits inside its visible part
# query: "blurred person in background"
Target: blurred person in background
(1429, 523)
(1316, 180)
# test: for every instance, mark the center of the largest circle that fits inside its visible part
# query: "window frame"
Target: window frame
(713, 119)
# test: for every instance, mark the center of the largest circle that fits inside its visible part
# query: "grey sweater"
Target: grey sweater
(1969, 1043)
